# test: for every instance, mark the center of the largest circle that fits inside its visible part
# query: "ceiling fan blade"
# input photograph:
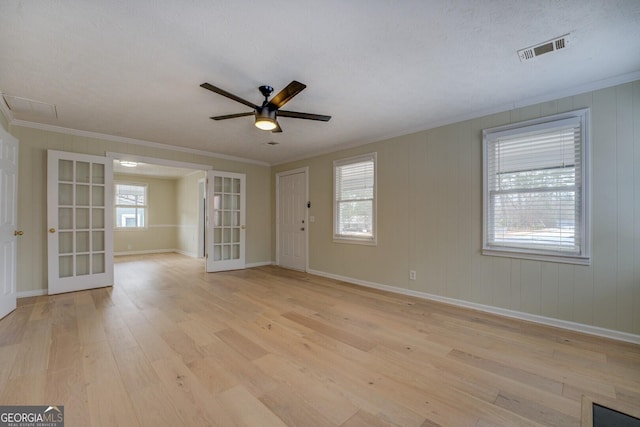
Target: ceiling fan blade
(306, 116)
(232, 116)
(278, 129)
(222, 92)
(286, 94)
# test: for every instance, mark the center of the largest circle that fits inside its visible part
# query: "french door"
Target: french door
(8, 221)
(80, 221)
(226, 221)
(292, 219)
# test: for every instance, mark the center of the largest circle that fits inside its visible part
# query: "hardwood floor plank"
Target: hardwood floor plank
(241, 344)
(193, 403)
(109, 403)
(24, 390)
(324, 397)
(8, 355)
(287, 404)
(154, 408)
(532, 410)
(330, 331)
(247, 410)
(33, 353)
(67, 387)
(365, 419)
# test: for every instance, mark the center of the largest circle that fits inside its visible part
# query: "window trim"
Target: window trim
(584, 257)
(145, 206)
(338, 238)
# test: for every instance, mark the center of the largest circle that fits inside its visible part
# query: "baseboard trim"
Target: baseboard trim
(152, 251)
(185, 253)
(548, 321)
(34, 293)
(257, 264)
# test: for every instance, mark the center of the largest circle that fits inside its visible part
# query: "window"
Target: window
(535, 179)
(355, 199)
(131, 205)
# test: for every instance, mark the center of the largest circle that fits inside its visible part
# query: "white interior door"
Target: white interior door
(226, 221)
(292, 220)
(8, 221)
(80, 221)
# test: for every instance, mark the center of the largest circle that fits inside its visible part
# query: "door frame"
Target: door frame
(172, 163)
(305, 170)
(202, 217)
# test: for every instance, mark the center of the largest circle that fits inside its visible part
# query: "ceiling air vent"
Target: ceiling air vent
(544, 47)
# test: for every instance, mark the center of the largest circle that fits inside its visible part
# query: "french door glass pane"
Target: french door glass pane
(97, 215)
(65, 242)
(66, 266)
(82, 172)
(81, 218)
(98, 173)
(65, 194)
(98, 264)
(82, 265)
(65, 170)
(98, 241)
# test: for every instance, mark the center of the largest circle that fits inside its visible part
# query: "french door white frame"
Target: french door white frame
(80, 208)
(304, 170)
(227, 215)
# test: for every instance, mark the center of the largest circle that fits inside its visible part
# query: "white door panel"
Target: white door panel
(292, 220)
(80, 221)
(226, 221)
(8, 221)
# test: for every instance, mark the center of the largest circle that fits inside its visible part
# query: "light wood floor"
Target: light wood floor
(171, 345)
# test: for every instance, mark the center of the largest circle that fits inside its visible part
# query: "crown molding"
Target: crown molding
(133, 141)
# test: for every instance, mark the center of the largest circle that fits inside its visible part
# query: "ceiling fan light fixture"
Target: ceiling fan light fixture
(265, 119)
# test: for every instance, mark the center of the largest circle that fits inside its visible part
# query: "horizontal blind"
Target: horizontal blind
(534, 180)
(131, 195)
(354, 197)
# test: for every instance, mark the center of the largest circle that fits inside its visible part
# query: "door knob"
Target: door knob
(18, 233)
(52, 230)
(302, 229)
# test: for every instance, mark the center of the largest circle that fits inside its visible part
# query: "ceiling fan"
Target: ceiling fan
(265, 114)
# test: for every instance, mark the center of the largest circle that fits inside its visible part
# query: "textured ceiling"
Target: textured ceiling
(380, 68)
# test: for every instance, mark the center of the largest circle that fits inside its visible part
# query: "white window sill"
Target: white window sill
(522, 254)
(355, 241)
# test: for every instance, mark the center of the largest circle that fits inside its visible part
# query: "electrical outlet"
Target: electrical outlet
(412, 275)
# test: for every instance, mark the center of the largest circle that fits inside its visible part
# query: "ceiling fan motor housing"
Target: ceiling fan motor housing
(266, 91)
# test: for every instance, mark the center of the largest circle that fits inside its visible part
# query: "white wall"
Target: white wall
(430, 220)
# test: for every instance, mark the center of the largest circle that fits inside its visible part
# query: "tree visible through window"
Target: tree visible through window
(130, 205)
(355, 199)
(535, 181)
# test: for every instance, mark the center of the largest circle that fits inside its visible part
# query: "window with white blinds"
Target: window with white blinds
(535, 189)
(355, 199)
(130, 205)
